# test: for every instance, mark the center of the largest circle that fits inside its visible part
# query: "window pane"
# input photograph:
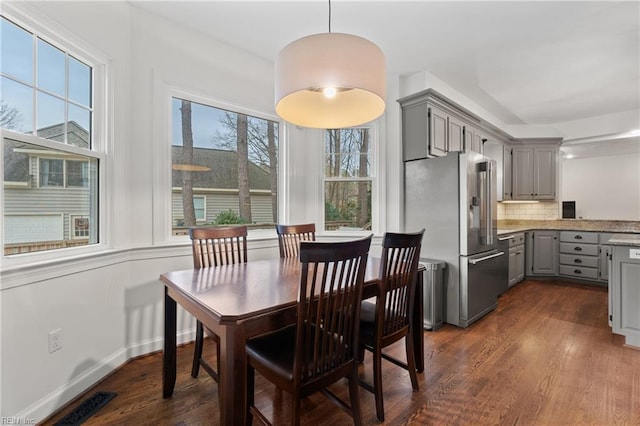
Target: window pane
(16, 106)
(43, 217)
(347, 152)
(16, 46)
(51, 68)
(79, 82)
(50, 117)
(51, 172)
(347, 205)
(198, 205)
(79, 127)
(229, 156)
(77, 173)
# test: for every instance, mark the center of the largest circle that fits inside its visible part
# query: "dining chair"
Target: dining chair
(289, 237)
(389, 319)
(321, 347)
(214, 247)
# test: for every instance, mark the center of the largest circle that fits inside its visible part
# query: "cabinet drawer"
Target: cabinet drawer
(517, 240)
(579, 237)
(584, 249)
(576, 260)
(579, 272)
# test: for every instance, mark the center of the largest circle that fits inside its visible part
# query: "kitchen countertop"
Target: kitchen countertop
(625, 240)
(508, 226)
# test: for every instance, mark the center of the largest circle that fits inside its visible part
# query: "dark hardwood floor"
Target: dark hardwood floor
(545, 356)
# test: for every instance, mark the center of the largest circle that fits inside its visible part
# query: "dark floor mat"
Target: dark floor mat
(87, 409)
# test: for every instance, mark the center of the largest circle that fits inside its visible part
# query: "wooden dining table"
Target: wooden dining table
(244, 300)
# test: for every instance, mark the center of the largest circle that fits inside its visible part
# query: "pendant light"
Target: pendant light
(330, 81)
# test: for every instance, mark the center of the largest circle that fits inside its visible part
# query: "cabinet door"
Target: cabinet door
(456, 135)
(605, 251)
(437, 132)
(507, 172)
(519, 263)
(544, 173)
(513, 266)
(415, 134)
(545, 253)
(522, 176)
(478, 139)
(468, 138)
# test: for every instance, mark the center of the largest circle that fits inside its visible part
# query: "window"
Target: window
(348, 179)
(50, 161)
(224, 167)
(63, 173)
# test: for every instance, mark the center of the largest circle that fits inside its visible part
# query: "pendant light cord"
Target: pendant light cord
(329, 15)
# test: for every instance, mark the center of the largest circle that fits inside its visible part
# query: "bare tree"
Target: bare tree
(273, 166)
(244, 195)
(187, 158)
(363, 171)
(10, 117)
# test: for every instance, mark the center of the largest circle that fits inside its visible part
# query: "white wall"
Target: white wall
(603, 187)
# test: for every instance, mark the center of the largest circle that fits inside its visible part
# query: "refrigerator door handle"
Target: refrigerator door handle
(482, 259)
(489, 202)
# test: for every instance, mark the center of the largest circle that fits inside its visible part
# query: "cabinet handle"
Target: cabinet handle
(577, 248)
(577, 271)
(577, 260)
(578, 237)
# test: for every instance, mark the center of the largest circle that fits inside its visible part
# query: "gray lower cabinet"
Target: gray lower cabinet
(516, 259)
(604, 250)
(542, 253)
(624, 288)
(579, 254)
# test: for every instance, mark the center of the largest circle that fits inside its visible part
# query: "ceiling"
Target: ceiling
(532, 63)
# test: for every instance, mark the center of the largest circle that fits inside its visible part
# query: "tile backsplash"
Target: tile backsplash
(530, 211)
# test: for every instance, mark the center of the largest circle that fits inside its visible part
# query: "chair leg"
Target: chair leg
(250, 393)
(377, 382)
(411, 362)
(361, 354)
(295, 408)
(355, 397)
(197, 352)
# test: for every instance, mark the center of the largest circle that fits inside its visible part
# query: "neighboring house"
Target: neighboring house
(37, 215)
(215, 185)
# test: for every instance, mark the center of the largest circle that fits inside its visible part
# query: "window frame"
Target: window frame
(26, 17)
(374, 149)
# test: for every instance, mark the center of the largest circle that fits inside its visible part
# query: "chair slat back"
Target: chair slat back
(400, 255)
(328, 321)
(218, 246)
(290, 236)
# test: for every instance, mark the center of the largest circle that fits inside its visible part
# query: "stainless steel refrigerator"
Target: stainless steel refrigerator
(454, 199)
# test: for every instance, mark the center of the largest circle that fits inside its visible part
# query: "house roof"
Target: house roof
(223, 170)
(76, 134)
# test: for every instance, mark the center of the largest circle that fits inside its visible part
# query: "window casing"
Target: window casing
(52, 117)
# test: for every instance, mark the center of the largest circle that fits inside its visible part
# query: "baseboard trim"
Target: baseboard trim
(57, 400)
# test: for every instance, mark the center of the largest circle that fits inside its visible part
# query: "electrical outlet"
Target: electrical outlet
(55, 340)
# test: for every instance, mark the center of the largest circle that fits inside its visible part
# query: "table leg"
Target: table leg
(418, 318)
(169, 352)
(233, 376)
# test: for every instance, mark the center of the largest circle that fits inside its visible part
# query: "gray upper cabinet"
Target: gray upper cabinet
(433, 125)
(501, 153)
(473, 139)
(456, 134)
(438, 131)
(534, 172)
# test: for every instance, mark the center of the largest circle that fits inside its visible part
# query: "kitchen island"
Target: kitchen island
(624, 287)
